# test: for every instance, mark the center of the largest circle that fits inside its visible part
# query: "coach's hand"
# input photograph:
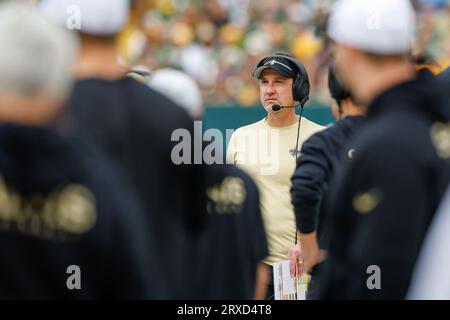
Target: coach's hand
(312, 255)
(295, 260)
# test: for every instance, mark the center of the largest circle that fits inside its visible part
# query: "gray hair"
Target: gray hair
(36, 55)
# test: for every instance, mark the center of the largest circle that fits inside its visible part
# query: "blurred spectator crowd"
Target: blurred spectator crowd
(218, 42)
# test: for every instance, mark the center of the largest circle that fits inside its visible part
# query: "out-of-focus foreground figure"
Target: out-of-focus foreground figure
(386, 197)
(224, 260)
(132, 125)
(64, 231)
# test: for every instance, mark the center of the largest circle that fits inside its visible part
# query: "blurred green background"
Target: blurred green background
(233, 117)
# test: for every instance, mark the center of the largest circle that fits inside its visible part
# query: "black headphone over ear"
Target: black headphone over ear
(337, 90)
(300, 86)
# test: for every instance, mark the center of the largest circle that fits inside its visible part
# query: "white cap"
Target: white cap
(180, 88)
(37, 56)
(95, 17)
(375, 26)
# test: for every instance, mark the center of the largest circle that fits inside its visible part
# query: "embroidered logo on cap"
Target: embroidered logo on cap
(273, 61)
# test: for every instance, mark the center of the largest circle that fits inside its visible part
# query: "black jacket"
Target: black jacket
(57, 211)
(385, 199)
(445, 77)
(320, 156)
(222, 259)
(133, 125)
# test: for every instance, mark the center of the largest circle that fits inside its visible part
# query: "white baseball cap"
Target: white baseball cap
(37, 55)
(180, 88)
(375, 26)
(95, 17)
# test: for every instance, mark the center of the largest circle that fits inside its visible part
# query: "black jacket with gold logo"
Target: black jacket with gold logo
(386, 197)
(65, 232)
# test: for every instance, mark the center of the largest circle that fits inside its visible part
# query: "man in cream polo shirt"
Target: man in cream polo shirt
(266, 150)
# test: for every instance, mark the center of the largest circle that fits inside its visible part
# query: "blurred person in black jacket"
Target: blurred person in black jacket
(224, 260)
(132, 125)
(385, 198)
(321, 156)
(445, 77)
(66, 231)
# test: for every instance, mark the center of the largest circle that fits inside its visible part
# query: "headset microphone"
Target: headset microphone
(277, 107)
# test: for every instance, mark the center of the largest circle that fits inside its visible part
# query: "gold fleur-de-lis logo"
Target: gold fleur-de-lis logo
(365, 202)
(228, 196)
(76, 209)
(440, 138)
(351, 153)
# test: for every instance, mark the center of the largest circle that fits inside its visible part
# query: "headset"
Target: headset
(337, 90)
(300, 85)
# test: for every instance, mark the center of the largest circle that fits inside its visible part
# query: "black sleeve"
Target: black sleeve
(309, 182)
(380, 219)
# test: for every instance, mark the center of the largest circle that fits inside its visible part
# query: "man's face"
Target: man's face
(275, 89)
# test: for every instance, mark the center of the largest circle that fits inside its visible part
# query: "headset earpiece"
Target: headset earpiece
(300, 86)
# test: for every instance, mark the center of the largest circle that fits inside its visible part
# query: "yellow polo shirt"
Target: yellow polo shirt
(267, 155)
